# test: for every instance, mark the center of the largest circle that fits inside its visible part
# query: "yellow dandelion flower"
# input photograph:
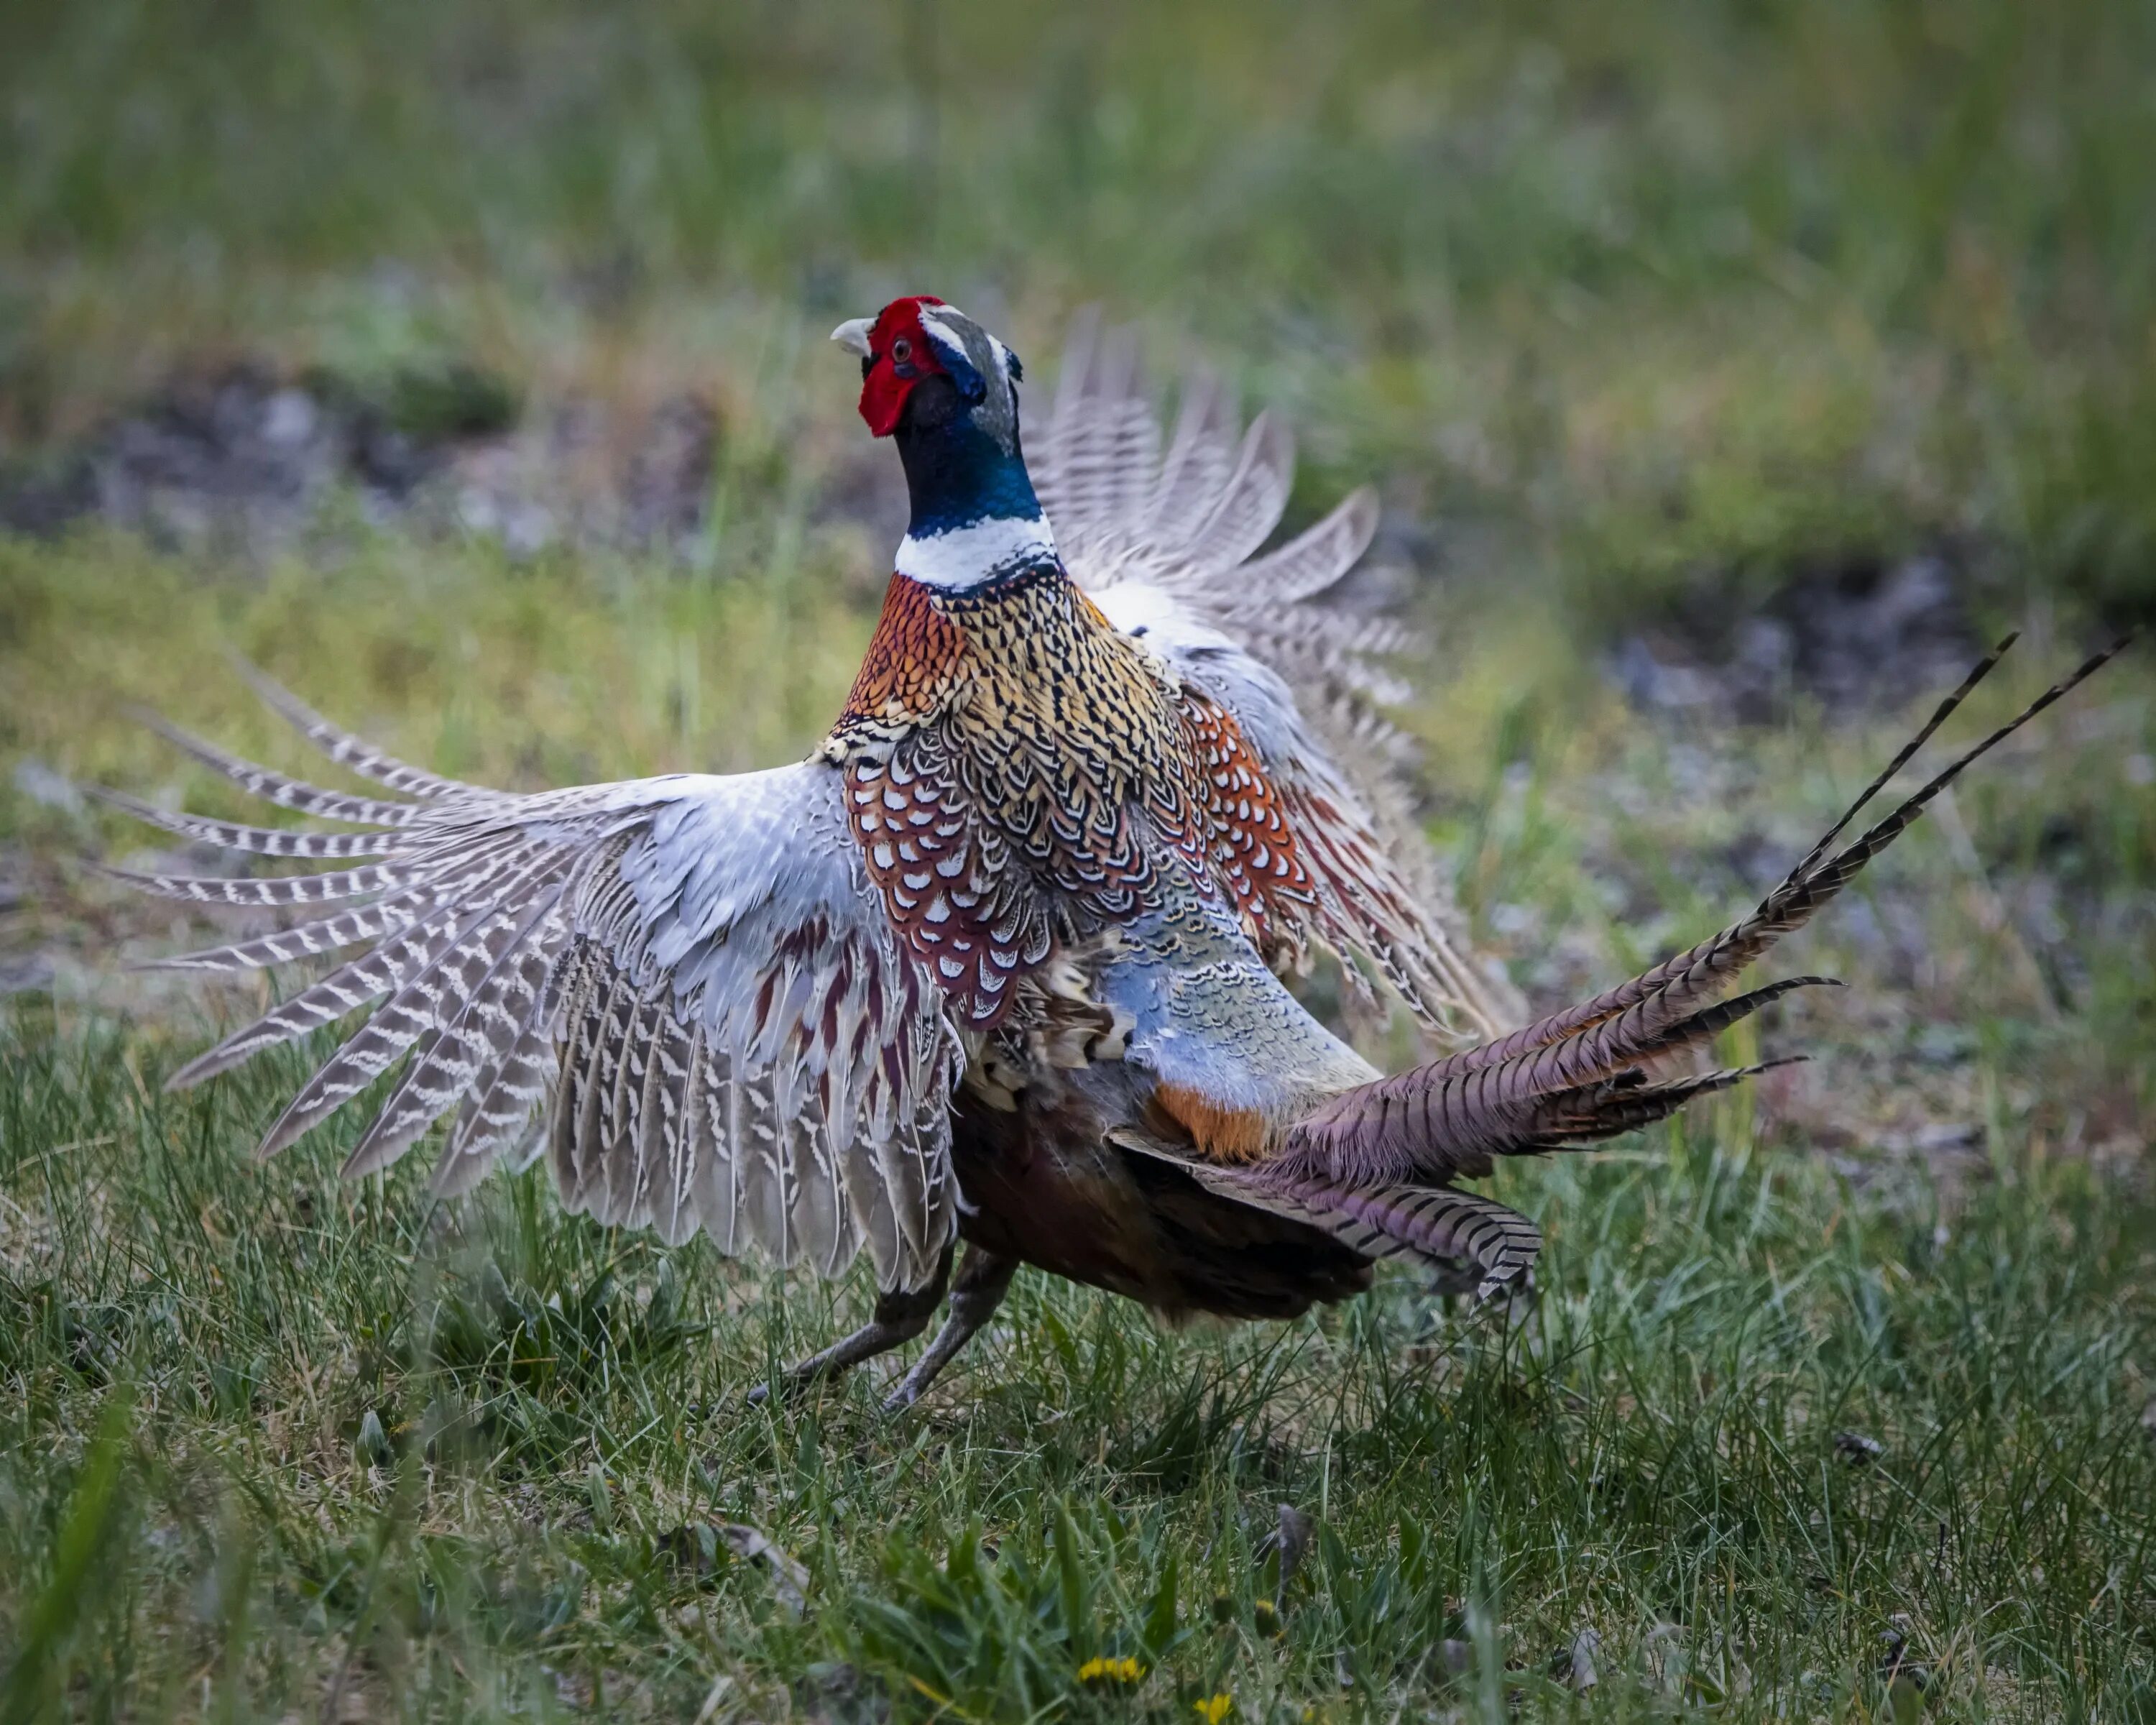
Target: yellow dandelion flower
(1112, 1671)
(1215, 1707)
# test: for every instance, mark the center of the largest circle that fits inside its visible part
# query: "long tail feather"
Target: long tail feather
(1473, 1242)
(1704, 1026)
(1978, 672)
(1451, 1116)
(1612, 1108)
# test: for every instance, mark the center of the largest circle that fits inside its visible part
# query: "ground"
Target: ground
(1731, 375)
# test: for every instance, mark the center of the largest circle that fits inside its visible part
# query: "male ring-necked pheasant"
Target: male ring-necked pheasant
(1001, 960)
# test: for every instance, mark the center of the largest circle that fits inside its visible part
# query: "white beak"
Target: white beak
(853, 334)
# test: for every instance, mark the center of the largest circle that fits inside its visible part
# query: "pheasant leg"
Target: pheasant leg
(898, 1318)
(984, 1279)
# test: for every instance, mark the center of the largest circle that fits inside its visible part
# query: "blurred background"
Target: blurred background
(1687, 301)
(1732, 371)
(1724, 368)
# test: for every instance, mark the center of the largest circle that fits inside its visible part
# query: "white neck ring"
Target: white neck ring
(976, 553)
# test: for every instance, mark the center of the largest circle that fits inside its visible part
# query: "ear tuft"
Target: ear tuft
(972, 387)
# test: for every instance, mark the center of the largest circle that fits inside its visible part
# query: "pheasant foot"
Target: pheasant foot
(900, 1315)
(984, 1279)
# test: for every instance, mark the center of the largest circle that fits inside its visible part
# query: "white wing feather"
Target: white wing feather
(683, 988)
(1168, 547)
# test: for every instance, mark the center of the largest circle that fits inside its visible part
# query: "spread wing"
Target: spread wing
(1167, 543)
(682, 989)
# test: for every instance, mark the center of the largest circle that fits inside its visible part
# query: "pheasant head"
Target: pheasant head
(946, 392)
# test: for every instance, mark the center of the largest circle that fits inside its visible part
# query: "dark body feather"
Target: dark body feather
(1046, 1186)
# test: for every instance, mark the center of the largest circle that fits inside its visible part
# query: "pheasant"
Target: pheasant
(1003, 960)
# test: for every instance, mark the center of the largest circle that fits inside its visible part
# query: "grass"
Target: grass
(1641, 313)
(272, 1439)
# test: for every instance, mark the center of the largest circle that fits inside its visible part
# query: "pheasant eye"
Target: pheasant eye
(901, 350)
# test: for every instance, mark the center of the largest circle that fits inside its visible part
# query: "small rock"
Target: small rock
(371, 1446)
(289, 419)
(1945, 1045)
(789, 1580)
(715, 1697)
(1908, 1681)
(1580, 1673)
(24, 974)
(1663, 1650)
(1510, 919)
(1649, 682)
(694, 1547)
(1934, 1138)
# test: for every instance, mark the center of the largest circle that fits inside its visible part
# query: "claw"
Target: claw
(902, 1397)
(898, 1317)
(983, 1281)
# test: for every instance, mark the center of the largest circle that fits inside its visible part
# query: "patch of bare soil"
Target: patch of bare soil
(1868, 636)
(245, 459)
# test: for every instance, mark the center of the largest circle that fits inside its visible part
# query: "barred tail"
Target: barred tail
(1578, 1075)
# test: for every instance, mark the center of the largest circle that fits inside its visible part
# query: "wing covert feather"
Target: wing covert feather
(684, 986)
(1169, 546)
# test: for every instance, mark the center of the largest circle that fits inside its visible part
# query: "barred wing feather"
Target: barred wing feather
(1189, 521)
(1166, 540)
(682, 989)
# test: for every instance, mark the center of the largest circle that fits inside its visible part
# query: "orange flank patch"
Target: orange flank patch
(909, 660)
(1221, 1134)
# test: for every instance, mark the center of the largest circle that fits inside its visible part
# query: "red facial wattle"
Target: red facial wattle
(900, 355)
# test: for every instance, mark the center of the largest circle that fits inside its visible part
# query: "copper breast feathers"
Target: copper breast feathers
(1017, 769)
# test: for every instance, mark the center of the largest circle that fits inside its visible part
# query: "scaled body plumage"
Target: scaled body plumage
(1003, 959)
